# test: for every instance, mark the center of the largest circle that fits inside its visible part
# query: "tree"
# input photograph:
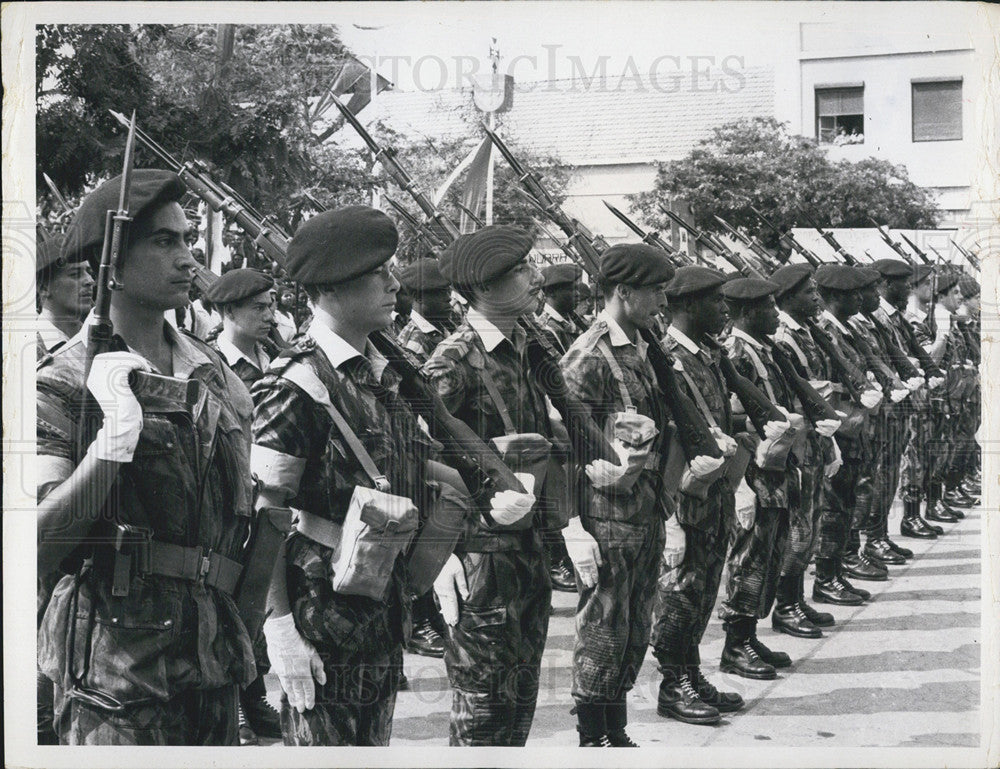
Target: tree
(758, 162)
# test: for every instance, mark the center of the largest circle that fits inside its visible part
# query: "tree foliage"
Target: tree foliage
(789, 178)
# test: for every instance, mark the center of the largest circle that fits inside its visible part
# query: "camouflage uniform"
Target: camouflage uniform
(755, 554)
(806, 502)
(493, 655)
(686, 594)
(358, 638)
(613, 617)
(562, 330)
(246, 369)
(420, 336)
(149, 666)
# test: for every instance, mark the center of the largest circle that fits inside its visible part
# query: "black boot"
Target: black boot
(878, 549)
(863, 594)
(955, 498)
(898, 549)
(858, 567)
(678, 698)
(818, 618)
(739, 655)
(776, 659)
(616, 718)
(933, 507)
(913, 525)
(724, 702)
(787, 616)
(828, 589)
(257, 713)
(425, 640)
(591, 724)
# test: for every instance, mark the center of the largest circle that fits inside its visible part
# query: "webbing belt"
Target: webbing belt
(193, 564)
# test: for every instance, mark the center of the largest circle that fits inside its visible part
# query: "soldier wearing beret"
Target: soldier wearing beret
(941, 338)
(839, 287)
(695, 549)
(497, 633)
(895, 291)
(430, 317)
(244, 298)
(558, 316)
(65, 294)
(798, 303)
(607, 369)
(968, 317)
(758, 533)
(142, 640)
(327, 418)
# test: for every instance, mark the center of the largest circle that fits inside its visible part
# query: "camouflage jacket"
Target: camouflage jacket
(562, 330)
(242, 366)
(845, 343)
(876, 355)
(458, 368)
(590, 378)
(798, 342)
(420, 336)
(189, 484)
(298, 450)
(955, 361)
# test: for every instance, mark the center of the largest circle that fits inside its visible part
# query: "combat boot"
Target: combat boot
(859, 567)
(863, 594)
(616, 718)
(913, 525)
(724, 702)
(739, 655)
(933, 509)
(678, 699)
(787, 617)
(773, 658)
(898, 549)
(956, 497)
(818, 618)
(426, 641)
(938, 513)
(257, 714)
(879, 550)
(591, 724)
(829, 589)
(562, 577)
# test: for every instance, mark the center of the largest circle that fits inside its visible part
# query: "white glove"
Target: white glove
(509, 507)
(838, 461)
(294, 660)
(703, 466)
(775, 429)
(897, 395)
(583, 552)
(827, 427)
(871, 398)
(602, 473)
(108, 382)
(935, 381)
(727, 444)
(448, 586)
(675, 544)
(914, 383)
(746, 502)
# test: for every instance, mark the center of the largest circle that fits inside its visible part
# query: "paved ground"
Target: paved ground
(900, 671)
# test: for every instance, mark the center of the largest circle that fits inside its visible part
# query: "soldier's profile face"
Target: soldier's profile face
(158, 268)
(869, 298)
(711, 313)
(70, 291)
(643, 304)
(369, 299)
(518, 291)
(253, 317)
(436, 303)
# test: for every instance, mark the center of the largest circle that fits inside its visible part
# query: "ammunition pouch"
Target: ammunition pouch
(524, 453)
(271, 526)
(632, 436)
(437, 538)
(677, 475)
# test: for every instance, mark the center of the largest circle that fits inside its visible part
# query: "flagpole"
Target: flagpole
(495, 56)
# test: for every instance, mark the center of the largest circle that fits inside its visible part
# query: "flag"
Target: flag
(474, 193)
(356, 81)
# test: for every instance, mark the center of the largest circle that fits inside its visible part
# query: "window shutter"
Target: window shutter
(937, 111)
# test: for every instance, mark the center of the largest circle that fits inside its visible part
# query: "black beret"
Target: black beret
(636, 264)
(237, 285)
(584, 290)
(422, 275)
(558, 274)
(693, 279)
(921, 273)
(481, 256)
(790, 276)
(893, 268)
(151, 188)
(946, 281)
(748, 289)
(869, 275)
(337, 246)
(840, 277)
(969, 286)
(48, 253)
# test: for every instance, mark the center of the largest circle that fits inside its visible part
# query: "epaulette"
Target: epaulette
(459, 346)
(303, 346)
(588, 339)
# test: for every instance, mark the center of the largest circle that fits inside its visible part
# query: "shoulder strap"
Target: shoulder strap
(616, 372)
(761, 370)
(792, 342)
(696, 394)
(491, 389)
(309, 382)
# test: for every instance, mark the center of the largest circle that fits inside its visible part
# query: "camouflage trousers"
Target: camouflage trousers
(613, 618)
(191, 718)
(685, 594)
(493, 655)
(754, 564)
(864, 511)
(353, 707)
(805, 505)
(886, 482)
(840, 497)
(965, 449)
(926, 454)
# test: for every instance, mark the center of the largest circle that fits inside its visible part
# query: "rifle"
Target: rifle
(831, 239)
(893, 244)
(101, 334)
(589, 441)
(67, 209)
(917, 250)
(698, 235)
(430, 238)
(649, 238)
(788, 239)
(973, 261)
(766, 259)
(476, 220)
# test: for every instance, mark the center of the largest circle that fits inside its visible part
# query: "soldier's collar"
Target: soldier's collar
(490, 335)
(788, 320)
(185, 356)
(422, 323)
(617, 337)
(337, 349)
(739, 333)
(552, 312)
(684, 340)
(887, 308)
(232, 353)
(833, 319)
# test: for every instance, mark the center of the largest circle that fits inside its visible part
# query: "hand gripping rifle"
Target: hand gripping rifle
(589, 442)
(832, 241)
(698, 235)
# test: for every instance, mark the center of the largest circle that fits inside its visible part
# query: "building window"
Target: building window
(937, 111)
(840, 115)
